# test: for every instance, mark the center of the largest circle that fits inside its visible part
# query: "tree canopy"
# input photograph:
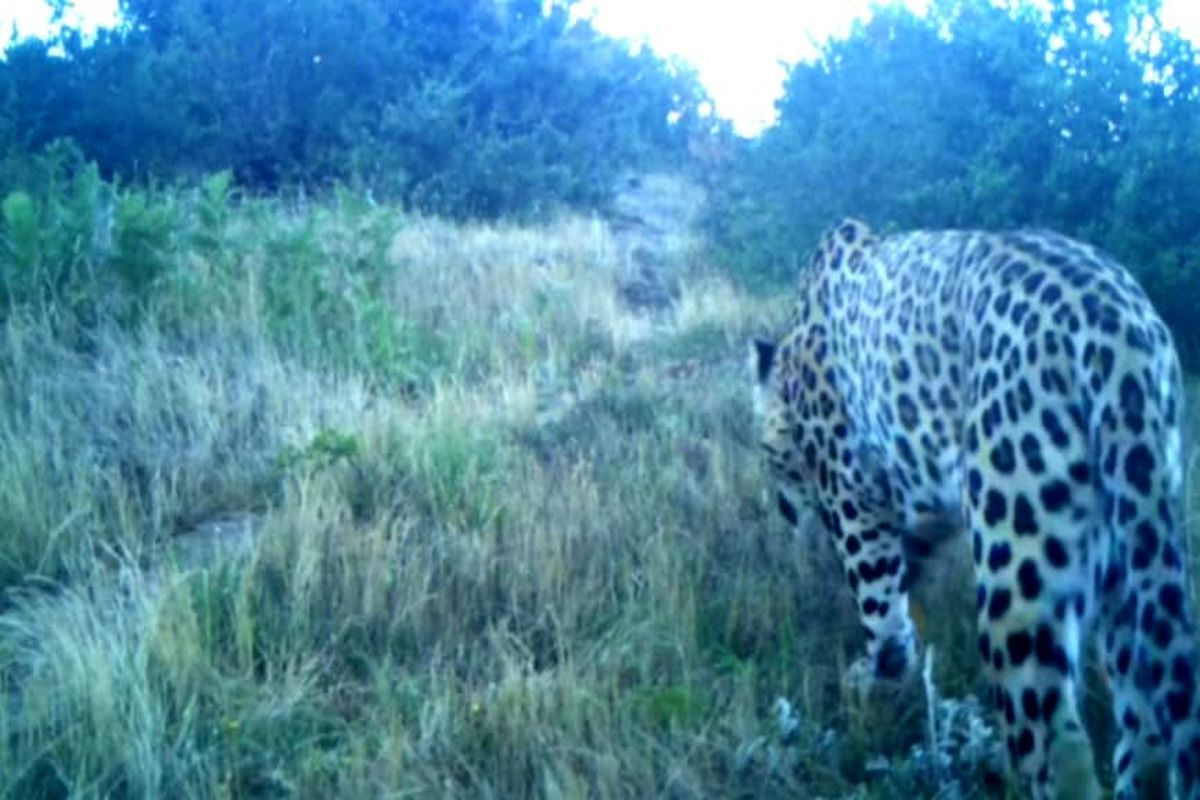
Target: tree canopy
(465, 108)
(1085, 118)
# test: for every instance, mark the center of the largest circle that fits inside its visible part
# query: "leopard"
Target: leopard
(1014, 391)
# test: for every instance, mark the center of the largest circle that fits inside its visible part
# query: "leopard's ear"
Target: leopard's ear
(763, 359)
(848, 232)
(853, 231)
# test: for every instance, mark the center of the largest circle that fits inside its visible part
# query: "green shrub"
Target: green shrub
(55, 229)
(144, 228)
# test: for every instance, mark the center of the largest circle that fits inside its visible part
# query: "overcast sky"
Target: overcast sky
(736, 45)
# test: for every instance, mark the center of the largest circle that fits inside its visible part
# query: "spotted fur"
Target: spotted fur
(1019, 387)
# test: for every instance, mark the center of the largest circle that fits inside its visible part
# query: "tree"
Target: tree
(1084, 119)
(468, 108)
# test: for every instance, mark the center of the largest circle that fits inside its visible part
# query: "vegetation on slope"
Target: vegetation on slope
(499, 534)
(534, 557)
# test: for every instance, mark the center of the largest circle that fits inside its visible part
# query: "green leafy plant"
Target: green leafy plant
(144, 231)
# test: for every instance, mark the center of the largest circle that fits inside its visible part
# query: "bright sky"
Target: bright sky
(32, 17)
(736, 45)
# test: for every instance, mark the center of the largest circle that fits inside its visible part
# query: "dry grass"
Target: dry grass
(550, 569)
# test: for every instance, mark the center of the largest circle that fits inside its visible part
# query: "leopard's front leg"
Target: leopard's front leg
(873, 562)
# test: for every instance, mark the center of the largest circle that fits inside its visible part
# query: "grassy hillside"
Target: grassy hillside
(356, 504)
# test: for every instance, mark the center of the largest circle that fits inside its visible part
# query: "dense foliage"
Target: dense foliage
(472, 108)
(982, 116)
